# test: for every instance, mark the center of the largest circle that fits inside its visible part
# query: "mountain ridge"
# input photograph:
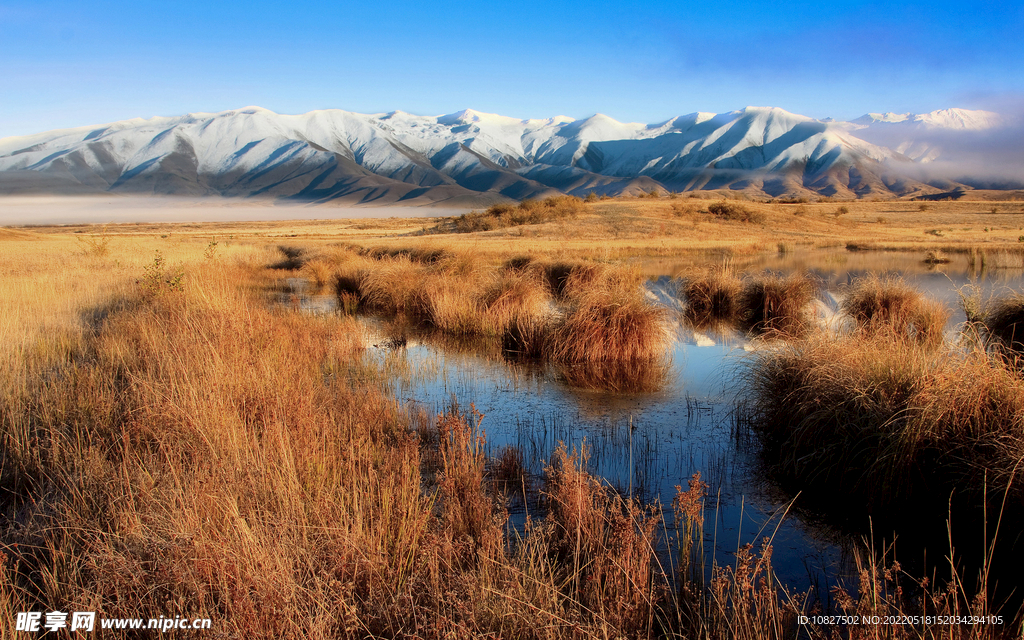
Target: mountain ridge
(475, 157)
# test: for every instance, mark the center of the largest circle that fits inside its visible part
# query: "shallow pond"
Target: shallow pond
(646, 443)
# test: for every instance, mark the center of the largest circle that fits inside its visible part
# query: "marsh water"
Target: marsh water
(645, 443)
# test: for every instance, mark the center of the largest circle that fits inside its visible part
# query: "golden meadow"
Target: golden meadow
(175, 442)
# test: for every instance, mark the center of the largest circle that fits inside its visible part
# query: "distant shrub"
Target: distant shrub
(841, 211)
(158, 278)
(527, 212)
(734, 211)
(96, 245)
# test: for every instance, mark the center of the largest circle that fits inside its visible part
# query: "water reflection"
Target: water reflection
(650, 427)
(642, 442)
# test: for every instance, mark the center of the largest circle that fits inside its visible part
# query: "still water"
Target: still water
(646, 443)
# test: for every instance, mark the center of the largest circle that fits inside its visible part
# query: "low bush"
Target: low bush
(734, 211)
(500, 216)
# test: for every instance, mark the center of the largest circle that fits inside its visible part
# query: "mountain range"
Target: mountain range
(471, 158)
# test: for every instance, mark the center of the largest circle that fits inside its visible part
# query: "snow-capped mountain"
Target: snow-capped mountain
(957, 119)
(917, 135)
(468, 157)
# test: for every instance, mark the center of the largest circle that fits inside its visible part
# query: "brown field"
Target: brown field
(627, 227)
(174, 443)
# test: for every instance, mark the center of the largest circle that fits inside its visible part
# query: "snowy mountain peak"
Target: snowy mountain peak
(476, 157)
(955, 119)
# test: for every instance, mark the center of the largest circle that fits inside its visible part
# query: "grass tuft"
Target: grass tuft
(1004, 322)
(608, 319)
(712, 297)
(777, 305)
(886, 304)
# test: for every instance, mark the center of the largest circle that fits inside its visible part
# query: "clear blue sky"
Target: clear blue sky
(69, 63)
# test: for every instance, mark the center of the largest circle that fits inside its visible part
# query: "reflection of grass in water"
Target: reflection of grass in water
(645, 376)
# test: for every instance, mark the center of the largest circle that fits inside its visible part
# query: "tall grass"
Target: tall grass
(1004, 322)
(198, 453)
(889, 427)
(608, 319)
(712, 297)
(776, 304)
(886, 304)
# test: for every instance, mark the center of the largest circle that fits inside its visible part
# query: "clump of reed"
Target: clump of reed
(608, 319)
(526, 337)
(391, 286)
(777, 305)
(888, 424)
(1004, 322)
(348, 288)
(515, 297)
(567, 279)
(712, 297)
(607, 542)
(447, 303)
(318, 272)
(886, 304)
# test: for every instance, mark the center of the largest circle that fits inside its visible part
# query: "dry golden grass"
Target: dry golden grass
(180, 446)
(625, 227)
(888, 305)
(712, 296)
(608, 319)
(775, 304)
(865, 416)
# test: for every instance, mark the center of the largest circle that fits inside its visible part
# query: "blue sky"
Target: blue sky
(66, 64)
